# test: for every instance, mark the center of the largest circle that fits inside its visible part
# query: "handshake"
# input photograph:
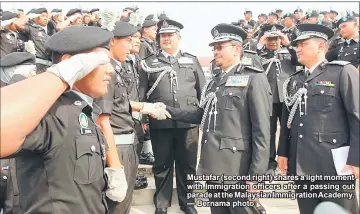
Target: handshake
(156, 111)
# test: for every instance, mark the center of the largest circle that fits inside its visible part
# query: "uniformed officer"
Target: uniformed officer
(116, 119)
(75, 16)
(248, 18)
(279, 64)
(249, 43)
(95, 17)
(60, 152)
(175, 78)
(262, 18)
(323, 101)
(333, 15)
(148, 34)
(279, 12)
(35, 30)
(15, 67)
(10, 41)
(325, 20)
(86, 17)
(273, 18)
(234, 113)
(348, 50)
(312, 17)
(290, 29)
(56, 18)
(127, 11)
(298, 15)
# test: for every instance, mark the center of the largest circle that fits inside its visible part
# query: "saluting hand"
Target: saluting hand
(284, 39)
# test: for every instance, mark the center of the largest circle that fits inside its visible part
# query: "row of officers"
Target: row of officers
(77, 153)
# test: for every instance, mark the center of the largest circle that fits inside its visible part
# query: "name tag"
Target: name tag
(185, 60)
(246, 61)
(325, 83)
(85, 131)
(237, 81)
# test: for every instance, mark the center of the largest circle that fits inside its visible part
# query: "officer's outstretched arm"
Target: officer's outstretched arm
(260, 108)
(23, 105)
(190, 115)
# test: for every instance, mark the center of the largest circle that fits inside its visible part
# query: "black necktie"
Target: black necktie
(171, 59)
(307, 73)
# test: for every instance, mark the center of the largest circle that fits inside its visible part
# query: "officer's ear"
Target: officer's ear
(65, 57)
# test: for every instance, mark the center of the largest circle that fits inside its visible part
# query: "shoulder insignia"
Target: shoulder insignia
(149, 57)
(186, 53)
(254, 69)
(338, 62)
(251, 52)
(296, 73)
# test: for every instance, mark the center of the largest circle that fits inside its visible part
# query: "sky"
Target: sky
(198, 18)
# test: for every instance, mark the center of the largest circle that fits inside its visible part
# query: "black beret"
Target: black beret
(271, 30)
(39, 11)
(150, 20)
(333, 11)
(262, 15)
(278, 11)
(94, 10)
(298, 10)
(227, 32)
(124, 29)
(247, 11)
(56, 10)
(274, 14)
(20, 10)
(85, 11)
(73, 11)
(169, 26)
(163, 16)
(78, 39)
(346, 19)
(308, 31)
(290, 15)
(7, 15)
(313, 13)
(133, 9)
(17, 58)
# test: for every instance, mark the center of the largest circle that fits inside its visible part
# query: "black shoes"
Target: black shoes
(161, 211)
(147, 158)
(189, 210)
(141, 182)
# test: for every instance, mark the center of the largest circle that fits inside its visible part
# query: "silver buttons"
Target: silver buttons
(205, 141)
(301, 113)
(5, 177)
(93, 148)
(217, 88)
(117, 67)
(334, 140)
(230, 94)
(234, 149)
(322, 91)
(301, 125)
(175, 99)
(301, 136)
(174, 92)
(306, 84)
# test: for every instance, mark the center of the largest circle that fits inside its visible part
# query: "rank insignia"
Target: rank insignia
(237, 81)
(325, 83)
(83, 120)
(246, 61)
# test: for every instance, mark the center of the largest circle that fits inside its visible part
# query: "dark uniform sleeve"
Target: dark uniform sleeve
(332, 54)
(260, 108)
(349, 90)
(106, 102)
(283, 147)
(143, 52)
(200, 79)
(190, 115)
(143, 85)
(50, 133)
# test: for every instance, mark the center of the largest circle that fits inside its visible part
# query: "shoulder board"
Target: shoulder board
(250, 52)
(296, 73)
(186, 53)
(338, 62)
(149, 56)
(254, 69)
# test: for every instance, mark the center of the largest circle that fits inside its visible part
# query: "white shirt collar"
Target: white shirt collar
(89, 100)
(231, 67)
(166, 54)
(313, 67)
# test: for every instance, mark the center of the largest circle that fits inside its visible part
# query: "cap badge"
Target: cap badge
(216, 32)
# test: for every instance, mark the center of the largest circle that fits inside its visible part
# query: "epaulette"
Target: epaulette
(251, 52)
(255, 69)
(338, 62)
(296, 73)
(148, 57)
(186, 53)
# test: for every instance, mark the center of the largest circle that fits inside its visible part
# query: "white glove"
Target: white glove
(117, 183)
(156, 110)
(30, 47)
(78, 66)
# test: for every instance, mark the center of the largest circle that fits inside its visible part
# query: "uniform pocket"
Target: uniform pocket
(192, 101)
(88, 159)
(322, 98)
(334, 138)
(231, 98)
(234, 145)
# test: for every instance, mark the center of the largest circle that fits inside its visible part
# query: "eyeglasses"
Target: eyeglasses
(220, 47)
